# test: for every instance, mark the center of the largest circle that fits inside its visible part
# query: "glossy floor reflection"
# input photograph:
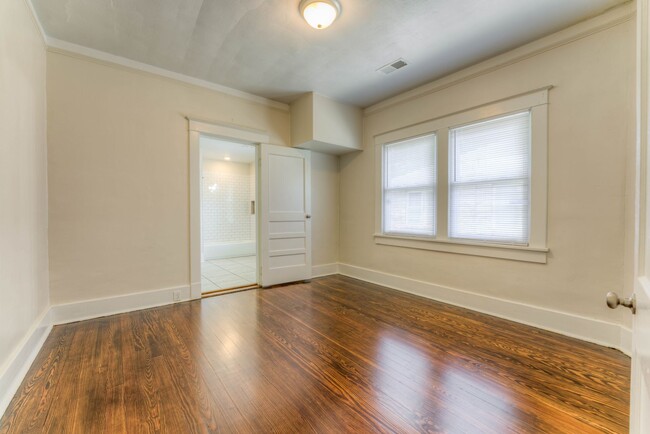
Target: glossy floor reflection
(335, 355)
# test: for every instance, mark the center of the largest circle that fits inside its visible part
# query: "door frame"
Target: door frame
(233, 133)
(638, 397)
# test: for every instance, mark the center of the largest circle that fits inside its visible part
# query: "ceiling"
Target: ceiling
(264, 47)
(215, 149)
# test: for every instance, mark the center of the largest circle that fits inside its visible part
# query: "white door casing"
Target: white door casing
(640, 382)
(235, 133)
(285, 208)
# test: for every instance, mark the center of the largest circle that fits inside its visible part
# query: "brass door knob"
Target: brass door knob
(614, 301)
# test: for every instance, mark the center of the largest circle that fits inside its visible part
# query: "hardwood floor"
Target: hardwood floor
(335, 355)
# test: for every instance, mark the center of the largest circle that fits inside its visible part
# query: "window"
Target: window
(473, 182)
(409, 187)
(489, 172)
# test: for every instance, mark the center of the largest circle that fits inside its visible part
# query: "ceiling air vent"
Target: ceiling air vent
(393, 66)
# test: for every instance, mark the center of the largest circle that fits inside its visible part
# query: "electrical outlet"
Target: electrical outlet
(177, 295)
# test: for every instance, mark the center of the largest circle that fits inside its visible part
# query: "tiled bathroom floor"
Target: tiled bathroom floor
(228, 273)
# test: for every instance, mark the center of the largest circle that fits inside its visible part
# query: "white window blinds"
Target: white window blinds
(409, 187)
(489, 179)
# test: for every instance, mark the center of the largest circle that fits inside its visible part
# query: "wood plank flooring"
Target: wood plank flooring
(335, 355)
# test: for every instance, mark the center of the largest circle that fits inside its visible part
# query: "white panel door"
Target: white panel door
(640, 387)
(285, 206)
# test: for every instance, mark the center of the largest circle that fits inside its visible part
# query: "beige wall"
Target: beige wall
(325, 208)
(323, 124)
(23, 189)
(118, 176)
(591, 143)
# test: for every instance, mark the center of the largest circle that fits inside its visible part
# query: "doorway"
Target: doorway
(282, 213)
(228, 212)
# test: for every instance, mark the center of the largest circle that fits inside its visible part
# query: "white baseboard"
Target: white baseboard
(87, 309)
(324, 270)
(587, 329)
(228, 250)
(21, 360)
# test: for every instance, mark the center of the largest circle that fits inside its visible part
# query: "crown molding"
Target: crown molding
(63, 47)
(608, 19)
(604, 21)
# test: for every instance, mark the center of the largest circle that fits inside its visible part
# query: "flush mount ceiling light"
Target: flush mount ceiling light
(320, 14)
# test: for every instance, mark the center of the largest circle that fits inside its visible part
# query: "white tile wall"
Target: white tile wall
(225, 202)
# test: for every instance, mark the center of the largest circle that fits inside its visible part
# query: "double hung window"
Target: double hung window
(473, 182)
(409, 187)
(489, 180)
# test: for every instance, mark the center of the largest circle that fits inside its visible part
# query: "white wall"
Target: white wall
(118, 176)
(225, 212)
(23, 189)
(591, 152)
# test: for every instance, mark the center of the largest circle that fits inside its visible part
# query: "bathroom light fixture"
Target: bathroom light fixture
(320, 14)
(227, 158)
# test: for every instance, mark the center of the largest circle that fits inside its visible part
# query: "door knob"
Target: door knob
(613, 301)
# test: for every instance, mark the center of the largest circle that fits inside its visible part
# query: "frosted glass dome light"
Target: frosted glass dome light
(320, 14)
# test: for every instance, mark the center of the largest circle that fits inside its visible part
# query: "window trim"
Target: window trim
(536, 102)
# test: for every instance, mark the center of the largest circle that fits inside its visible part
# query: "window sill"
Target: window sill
(501, 251)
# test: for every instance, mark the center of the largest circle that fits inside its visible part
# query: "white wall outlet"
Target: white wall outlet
(177, 295)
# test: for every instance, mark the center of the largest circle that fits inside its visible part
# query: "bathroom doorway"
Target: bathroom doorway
(228, 197)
